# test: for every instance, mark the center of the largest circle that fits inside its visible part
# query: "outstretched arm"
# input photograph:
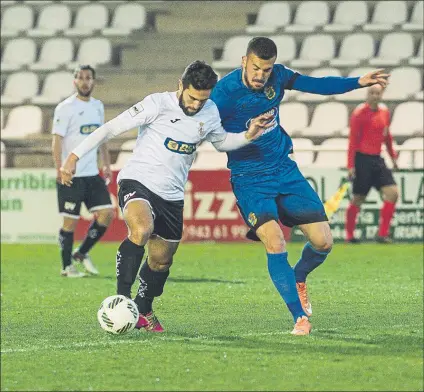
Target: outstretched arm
(330, 85)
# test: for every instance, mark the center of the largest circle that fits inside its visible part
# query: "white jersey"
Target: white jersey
(167, 142)
(74, 120)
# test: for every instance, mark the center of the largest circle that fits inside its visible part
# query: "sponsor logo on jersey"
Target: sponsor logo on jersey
(273, 112)
(174, 121)
(88, 128)
(269, 92)
(252, 219)
(179, 147)
(136, 109)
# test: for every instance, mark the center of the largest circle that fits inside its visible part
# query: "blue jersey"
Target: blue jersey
(238, 104)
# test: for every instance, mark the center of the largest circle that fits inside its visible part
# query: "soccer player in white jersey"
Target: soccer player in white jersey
(74, 119)
(151, 184)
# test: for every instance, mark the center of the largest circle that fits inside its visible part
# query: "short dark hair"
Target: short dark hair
(200, 75)
(262, 47)
(83, 68)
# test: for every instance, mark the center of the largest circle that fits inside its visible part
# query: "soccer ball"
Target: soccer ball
(118, 314)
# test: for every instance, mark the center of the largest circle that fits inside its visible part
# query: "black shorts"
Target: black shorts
(91, 191)
(167, 215)
(370, 171)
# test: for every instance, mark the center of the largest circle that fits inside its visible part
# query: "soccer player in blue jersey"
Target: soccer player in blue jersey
(267, 184)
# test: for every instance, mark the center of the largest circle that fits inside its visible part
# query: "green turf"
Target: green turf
(226, 326)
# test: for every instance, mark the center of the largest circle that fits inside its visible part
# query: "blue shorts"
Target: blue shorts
(284, 195)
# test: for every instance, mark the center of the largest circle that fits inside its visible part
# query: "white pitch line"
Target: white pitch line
(116, 342)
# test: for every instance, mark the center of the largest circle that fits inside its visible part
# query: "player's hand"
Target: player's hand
(258, 125)
(107, 174)
(351, 174)
(375, 77)
(68, 169)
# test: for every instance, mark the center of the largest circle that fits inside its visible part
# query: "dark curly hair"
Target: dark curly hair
(200, 75)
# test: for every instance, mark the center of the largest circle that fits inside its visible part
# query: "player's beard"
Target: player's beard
(84, 94)
(249, 85)
(184, 109)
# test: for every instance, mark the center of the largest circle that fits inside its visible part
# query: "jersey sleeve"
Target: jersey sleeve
(142, 113)
(62, 117)
(222, 100)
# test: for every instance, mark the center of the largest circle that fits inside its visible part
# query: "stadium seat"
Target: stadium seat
(394, 47)
(20, 86)
(22, 121)
(407, 119)
(318, 73)
(359, 94)
(334, 159)
(93, 51)
(6, 3)
(348, 15)
(271, 17)
(404, 82)
(54, 53)
(329, 119)
(18, 53)
(354, 49)
(123, 156)
(53, 18)
(57, 86)
(234, 49)
(309, 16)
(419, 58)
(16, 19)
(315, 49)
(412, 159)
(3, 155)
(207, 158)
(419, 95)
(90, 17)
(79, 2)
(303, 158)
(417, 20)
(293, 117)
(126, 18)
(387, 15)
(286, 48)
(38, 2)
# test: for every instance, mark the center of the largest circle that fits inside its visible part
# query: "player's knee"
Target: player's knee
(105, 217)
(274, 243)
(323, 243)
(140, 234)
(160, 265)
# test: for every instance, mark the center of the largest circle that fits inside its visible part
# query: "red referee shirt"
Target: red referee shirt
(368, 130)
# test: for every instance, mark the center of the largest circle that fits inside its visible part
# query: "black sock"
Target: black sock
(66, 240)
(151, 285)
(128, 260)
(95, 232)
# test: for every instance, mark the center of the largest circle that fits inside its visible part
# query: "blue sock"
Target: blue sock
(310, 259)
(282, 276)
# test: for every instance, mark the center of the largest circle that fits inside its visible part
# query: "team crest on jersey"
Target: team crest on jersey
(252, 219)
(269, 92)
(179, 147)
(201, 129)
(88, 128)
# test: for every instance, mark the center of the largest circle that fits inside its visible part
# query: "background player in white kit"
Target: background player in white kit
(74, 119)
(151, 184)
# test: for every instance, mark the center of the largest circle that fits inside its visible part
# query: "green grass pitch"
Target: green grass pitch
(226, 326)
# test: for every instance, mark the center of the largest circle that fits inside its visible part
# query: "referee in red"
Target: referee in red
(369, 128)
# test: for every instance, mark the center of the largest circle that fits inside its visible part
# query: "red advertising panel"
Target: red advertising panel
(210, 211)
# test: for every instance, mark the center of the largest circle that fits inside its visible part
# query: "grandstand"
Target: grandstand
(118, 37)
